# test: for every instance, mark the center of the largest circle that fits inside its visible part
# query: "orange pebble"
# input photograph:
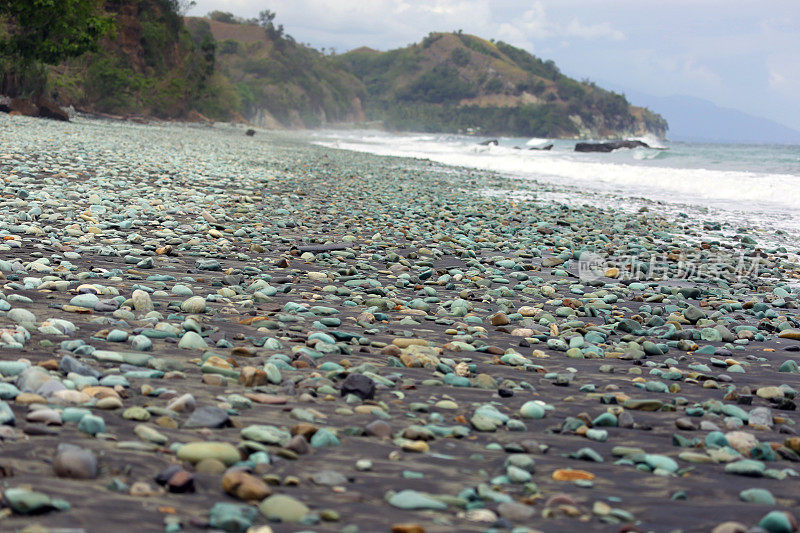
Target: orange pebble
(572, 475)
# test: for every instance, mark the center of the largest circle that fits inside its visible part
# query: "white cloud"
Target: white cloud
(390, 23)
(784, 74)
(655, 65)
(593, 31)
(700, 73)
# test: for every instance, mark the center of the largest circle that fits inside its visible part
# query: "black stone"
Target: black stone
(360, 385)
(208, 417)
(70, 364)
(165, 475)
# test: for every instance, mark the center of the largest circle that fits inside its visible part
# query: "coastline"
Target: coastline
(424, 258)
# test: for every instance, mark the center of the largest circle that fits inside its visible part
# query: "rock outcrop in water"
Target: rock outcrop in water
(609, 146)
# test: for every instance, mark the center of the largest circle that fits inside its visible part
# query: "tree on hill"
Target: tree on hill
(45, 32)
(266, 20)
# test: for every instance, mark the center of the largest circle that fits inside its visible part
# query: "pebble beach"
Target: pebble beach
(201, 330)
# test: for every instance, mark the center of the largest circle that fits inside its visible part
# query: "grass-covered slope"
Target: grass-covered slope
(453, 81)
(277, 78)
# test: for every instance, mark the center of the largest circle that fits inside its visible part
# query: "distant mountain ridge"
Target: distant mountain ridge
(696, 120)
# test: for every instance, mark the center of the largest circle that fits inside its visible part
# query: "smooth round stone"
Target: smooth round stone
(770, 393)
(329, 477)
(323, 439)
(74, 462)
(92, 425)
(140, 343)
(231, 516)
(194, 452)
(662, 462)
(136, 413)
(149, 434)
(141, 301)
(518, 475)
(266, 434)
(599, 435)
(117, 335)
(532, 410)
(32, 379)
(746, 467)
(208, 416)
(74, 414)
(8, 391)
(283, 508)
(759, 496)
(777, 522)
(13, 368)
(182, 290)
(24, 501)
(87, 300)
(210, 466)
(21, 316)
(516, 512)
(194, 305)
(192, 341)
(109, 403)
(412, 500)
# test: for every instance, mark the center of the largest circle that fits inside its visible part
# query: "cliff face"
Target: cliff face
(453, 81)
(149, 65)
(279, 81)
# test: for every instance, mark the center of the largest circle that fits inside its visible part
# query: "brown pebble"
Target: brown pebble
(500, 319)
(166, 422)
(391, 350)
(378, 428)
(244, 486)
(407, 528)
(304, 429)
(50, 364)
(298, 444)
(215, 380)
(181, 481)
(251, 376)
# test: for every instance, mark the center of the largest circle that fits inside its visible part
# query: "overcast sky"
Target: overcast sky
(742, 54)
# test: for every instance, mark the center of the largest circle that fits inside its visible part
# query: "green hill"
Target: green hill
(456, 82)
(277, 80)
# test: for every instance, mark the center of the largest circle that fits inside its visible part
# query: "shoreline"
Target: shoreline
(444, 300)
(553, 175)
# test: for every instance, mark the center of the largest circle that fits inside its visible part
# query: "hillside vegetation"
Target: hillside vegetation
(276, 79)
(454, 81)
(148, 65)
(155, 62)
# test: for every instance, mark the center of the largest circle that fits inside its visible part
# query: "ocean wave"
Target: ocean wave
(692, 185)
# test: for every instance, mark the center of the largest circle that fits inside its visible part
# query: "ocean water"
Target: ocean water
(749, 186)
